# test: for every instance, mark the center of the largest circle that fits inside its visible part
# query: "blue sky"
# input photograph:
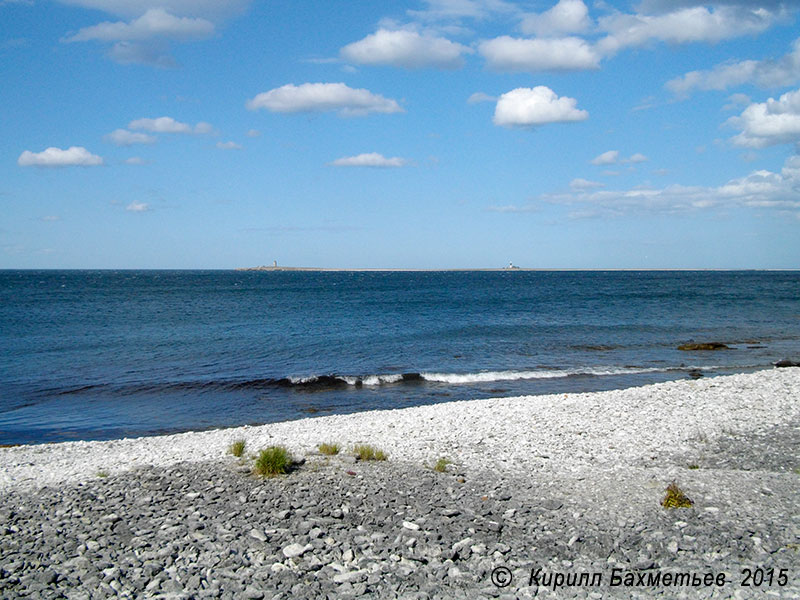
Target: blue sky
(420, 134)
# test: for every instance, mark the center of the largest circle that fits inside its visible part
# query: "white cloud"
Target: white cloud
(769, 123)
(253, 133)
(123, 137)
(760, 189)
(209, 9)
(585, 184)
(532, 55)
(56, 157)
(407, 49)
(606, 158)
(612, 157)
(155, 23)
(568, 16)
(685, 25)
(526, 107)
(323, 97)
(480, 97)
(372, 159)
(763, 73)
(170, 125)
(138, 206)
(135, 160)
(229, 146)
(50, 218)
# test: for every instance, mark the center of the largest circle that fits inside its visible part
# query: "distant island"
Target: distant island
(275, 267)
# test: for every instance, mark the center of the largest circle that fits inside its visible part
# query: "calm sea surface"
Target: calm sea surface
(110, 354)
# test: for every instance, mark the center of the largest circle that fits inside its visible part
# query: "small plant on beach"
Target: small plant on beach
(675, 498)
(328, 449)
(237, 448)
(367, 452)
(441, 465)
(102, 474)
(275, 460)
(694, 467)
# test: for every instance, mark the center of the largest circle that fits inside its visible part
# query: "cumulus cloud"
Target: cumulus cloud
(56, 157)
(152, 26)
(763, 73)
(612, 157)
(769, 123)
(407, 49)
(170, 125)
(155, 23)
(568, 16)
(532, 55)
(229, 146)
(685, 25)
(323, 97)
(528, 107)
(372, 159)
(123, 137)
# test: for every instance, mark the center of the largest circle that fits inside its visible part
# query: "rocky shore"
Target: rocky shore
(546, 496)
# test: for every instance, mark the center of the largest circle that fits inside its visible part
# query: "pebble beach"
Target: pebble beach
(542, 496)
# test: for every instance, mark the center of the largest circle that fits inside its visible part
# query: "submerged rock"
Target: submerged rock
(692, 346)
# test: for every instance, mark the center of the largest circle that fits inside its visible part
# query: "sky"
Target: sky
(215, 134)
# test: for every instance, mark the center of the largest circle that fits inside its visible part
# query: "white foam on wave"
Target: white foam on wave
(489, 376)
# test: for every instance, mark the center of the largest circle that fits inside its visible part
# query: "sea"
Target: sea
(95, 355)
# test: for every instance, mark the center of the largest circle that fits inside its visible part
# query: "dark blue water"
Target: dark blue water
(108, 354)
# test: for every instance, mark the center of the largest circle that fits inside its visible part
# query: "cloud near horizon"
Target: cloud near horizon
(323, 97)
(74, 156)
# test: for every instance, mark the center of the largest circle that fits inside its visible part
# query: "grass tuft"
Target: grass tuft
(367, 452)
(675, 498)
(694, 467)
(328, 449)
(275, 460)
(102, 474)
(237, 448)
(441, 465)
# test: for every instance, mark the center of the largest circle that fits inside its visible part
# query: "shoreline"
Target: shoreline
(546, 486)
(573, 426)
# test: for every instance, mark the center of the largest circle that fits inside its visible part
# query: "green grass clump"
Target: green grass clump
(237, 448)
(441, 465)
(675, 498)
(694, 467)
(102, 474)
(328, 449)
(275, 460)
(367, 452)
